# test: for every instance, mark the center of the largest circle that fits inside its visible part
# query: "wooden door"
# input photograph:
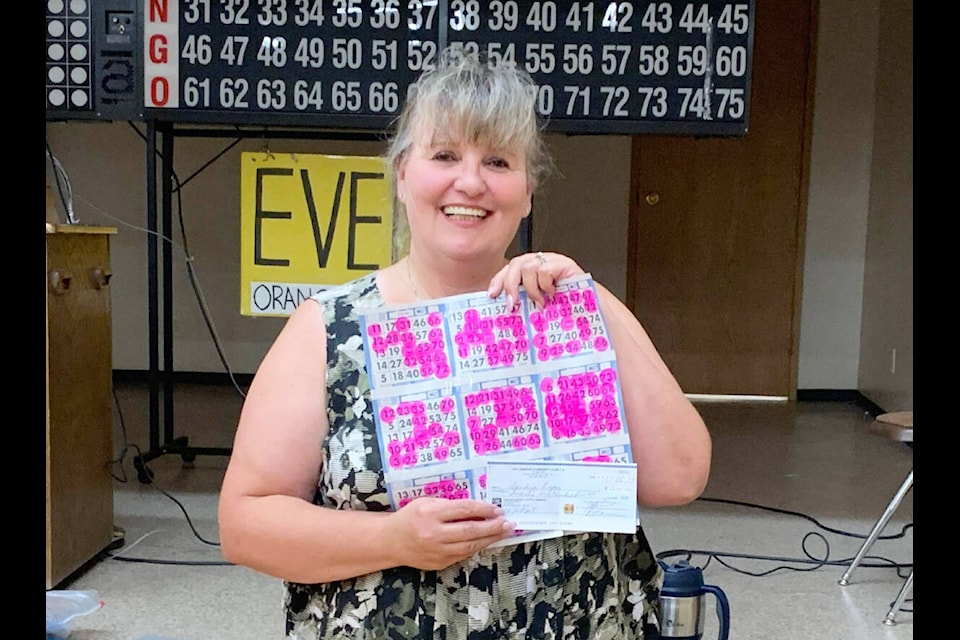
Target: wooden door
(716, 227)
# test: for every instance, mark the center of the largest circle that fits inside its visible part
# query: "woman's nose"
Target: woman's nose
(470, 180)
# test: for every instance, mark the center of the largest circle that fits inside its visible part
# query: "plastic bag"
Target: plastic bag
(63, 607)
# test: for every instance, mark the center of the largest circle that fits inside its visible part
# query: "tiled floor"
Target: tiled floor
(794, 489)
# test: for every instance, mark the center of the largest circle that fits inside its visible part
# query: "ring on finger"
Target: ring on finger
(542, 258)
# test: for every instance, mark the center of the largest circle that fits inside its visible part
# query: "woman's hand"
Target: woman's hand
(537, 272)
(433, 533)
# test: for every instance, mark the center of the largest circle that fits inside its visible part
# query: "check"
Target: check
(573, 496)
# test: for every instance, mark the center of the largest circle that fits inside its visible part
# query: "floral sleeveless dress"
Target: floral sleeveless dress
(584, 586)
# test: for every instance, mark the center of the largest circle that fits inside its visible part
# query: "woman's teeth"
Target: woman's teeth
(464, 211)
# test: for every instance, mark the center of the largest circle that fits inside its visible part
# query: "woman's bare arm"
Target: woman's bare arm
(267, 519)
(671, 445)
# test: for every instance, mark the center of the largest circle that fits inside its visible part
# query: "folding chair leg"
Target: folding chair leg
(877, 528)
(890, 620)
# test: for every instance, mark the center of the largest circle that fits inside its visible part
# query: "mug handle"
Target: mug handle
(723, 609)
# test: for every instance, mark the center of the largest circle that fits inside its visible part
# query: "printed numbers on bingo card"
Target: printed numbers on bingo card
(408, 347)
(569, 325)
(488, 336)
(420, 431)
(450, 487)
(503, 417)
(582, 404)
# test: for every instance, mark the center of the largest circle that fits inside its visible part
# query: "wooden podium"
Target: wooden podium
(79, 398)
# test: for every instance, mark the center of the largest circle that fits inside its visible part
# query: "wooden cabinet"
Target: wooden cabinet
(79, 398)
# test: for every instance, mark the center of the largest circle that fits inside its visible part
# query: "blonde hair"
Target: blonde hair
(474, 101)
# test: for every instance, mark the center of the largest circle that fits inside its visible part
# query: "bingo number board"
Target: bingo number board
(94, 68)
(603, 67)
(460, 380)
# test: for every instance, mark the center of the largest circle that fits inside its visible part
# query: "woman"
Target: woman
(304, 499)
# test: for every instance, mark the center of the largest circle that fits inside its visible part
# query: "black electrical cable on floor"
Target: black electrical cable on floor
(122, 477)
(883, 563)
(805, 517)
(810, 559)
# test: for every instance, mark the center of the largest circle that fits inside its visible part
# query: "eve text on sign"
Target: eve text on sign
(309, 222)
(322, 237)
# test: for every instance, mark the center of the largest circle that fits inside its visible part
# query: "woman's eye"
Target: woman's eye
(499, 163)
(444, 156)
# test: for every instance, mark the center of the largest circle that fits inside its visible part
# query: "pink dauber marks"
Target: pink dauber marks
(503, 419)
(598, 458)
(581, 405)
(489, 337)
(569, 324)
(448, 488)
(420, 432)
(409, 349)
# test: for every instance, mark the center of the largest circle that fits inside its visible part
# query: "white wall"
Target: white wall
(858, 271)
(840, 155)
(888, 272)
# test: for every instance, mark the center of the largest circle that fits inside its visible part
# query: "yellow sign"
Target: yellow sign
(309, 222)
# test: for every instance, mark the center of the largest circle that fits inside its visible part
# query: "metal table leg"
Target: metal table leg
(877, 528)
(890, 620)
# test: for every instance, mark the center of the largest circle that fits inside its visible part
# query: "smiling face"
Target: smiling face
(466, 156)
(463, 199)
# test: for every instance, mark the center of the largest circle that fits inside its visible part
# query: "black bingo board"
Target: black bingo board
(602, 67)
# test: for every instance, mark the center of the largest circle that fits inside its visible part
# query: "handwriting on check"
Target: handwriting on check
(583, 506)
(569, 495)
